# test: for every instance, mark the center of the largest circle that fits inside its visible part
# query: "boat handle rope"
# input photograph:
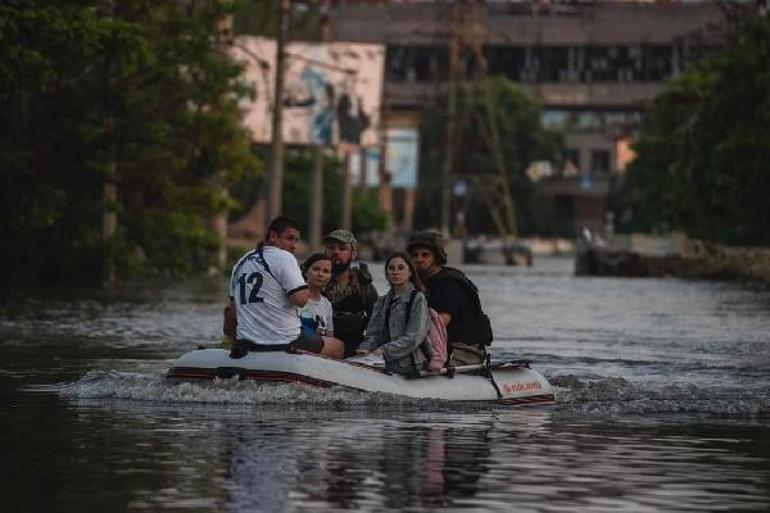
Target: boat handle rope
(487, 372)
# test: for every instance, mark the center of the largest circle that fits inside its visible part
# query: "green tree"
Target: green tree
(85, 85)
(702, 157)
(499, 133)
(366, 216)
(259, 17)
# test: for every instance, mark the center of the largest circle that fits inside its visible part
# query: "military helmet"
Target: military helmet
(431, 240)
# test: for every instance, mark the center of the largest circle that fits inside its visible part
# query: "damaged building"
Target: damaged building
(594, 66)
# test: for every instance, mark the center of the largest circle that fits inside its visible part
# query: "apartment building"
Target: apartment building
(595, 66)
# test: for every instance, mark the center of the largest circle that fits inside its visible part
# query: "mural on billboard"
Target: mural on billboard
(402, 161)
(332, 91)
(403, 157)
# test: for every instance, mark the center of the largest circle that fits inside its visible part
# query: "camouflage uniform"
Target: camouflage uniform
(352, 304)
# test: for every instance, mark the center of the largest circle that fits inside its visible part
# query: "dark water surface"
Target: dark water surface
(663, 405)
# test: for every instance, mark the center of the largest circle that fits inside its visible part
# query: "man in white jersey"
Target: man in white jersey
(266, 288)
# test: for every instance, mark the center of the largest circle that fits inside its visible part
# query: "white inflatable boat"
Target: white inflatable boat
(512, 382)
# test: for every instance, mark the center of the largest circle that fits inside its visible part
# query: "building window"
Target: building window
(589, 120)
(572, 159)
(600, 161)
(657, 62)
(416, 63)
(539, 63)
(555, 119)
(505, 60)
(554, 62)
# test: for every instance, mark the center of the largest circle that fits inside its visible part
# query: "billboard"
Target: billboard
(401, 161)
(332, 91)
(403, 157)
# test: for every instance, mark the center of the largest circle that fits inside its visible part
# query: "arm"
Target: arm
(290, 277)
(229, 322)
(375, 327)
(299, 297)
(445, 299)
(414, 334)
(329, 318)
(370, 297)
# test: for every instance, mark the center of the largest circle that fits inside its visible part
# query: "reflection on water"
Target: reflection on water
(392, 463)
(663, 405)
(137, 456)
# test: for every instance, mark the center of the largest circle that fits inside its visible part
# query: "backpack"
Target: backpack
(437, 342)
(435, 345)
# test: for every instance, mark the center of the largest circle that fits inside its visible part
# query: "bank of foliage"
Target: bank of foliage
(703, 163)
(88, 86)
(523, 139)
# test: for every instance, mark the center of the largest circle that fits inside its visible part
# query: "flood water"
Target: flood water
(663, 404)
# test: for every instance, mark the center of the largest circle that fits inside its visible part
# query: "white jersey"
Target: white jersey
(260, 286)
(316, 317)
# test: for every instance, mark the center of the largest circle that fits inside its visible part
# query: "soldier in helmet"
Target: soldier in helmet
(350, 290)
(454, 297)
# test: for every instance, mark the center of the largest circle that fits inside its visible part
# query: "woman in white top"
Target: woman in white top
(316, 316)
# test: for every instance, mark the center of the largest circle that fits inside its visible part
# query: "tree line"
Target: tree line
(140, 94)
(137, 89)
(703, 155)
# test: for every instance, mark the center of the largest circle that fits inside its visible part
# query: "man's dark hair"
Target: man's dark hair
(281, 224)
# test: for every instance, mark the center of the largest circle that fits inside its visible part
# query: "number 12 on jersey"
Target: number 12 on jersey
(255, 280)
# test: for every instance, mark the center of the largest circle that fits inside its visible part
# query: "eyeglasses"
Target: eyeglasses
(397, 267)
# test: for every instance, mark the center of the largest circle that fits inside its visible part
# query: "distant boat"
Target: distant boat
(639, 256)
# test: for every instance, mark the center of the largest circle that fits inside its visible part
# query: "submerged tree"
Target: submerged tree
(367, 215)
(702, 163)
(499, 133)
(125, 87)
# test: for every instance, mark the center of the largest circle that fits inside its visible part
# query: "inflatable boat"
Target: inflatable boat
(512, 382)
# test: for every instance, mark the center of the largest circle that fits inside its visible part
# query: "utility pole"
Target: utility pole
(109, 205)
(218, 220)
(468, 33)
(451, 114)
(500, 196)
(363, 167)
(109, 187)
(317, 182)
(275, 170)
(385, 195)
(316, 199)
(347, 194)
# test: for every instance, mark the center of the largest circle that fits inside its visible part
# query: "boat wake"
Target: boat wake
(156, 388)
(601, 396)
(618, 396)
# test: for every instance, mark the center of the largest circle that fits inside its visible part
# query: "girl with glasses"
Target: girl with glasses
(399, 322)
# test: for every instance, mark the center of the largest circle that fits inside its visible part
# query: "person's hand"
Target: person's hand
(378, 352)
(362, 352)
